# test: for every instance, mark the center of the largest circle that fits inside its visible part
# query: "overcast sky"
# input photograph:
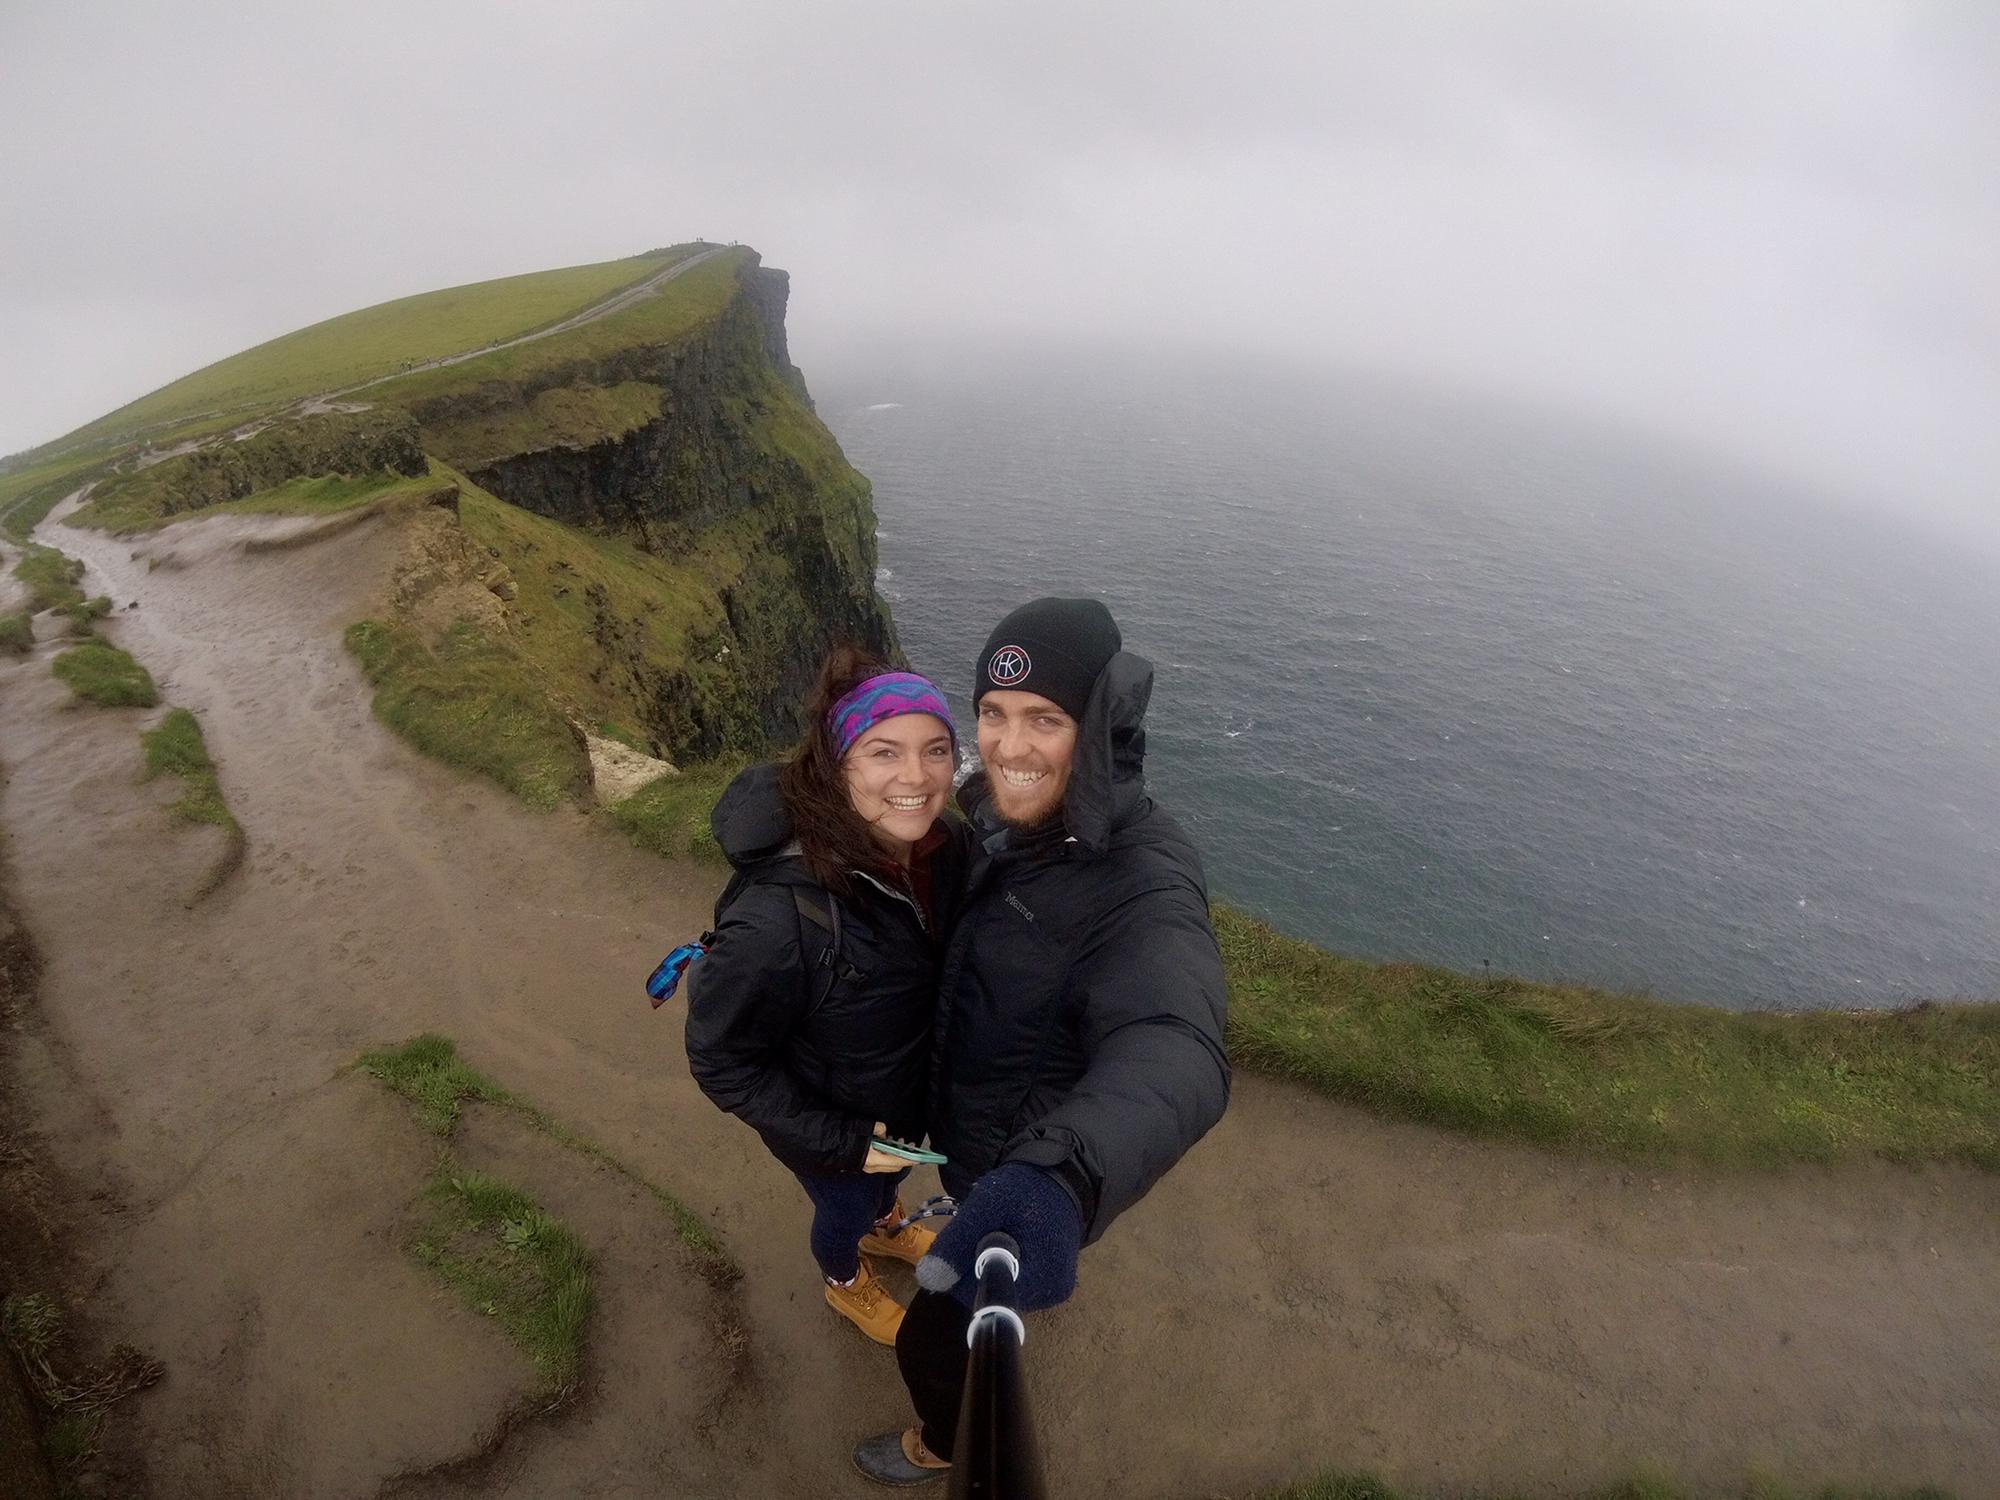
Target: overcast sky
(1770, 227)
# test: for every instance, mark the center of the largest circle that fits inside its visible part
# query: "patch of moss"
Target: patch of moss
(513, 1261)
(102, 674)
(177, 748)
(17, 633)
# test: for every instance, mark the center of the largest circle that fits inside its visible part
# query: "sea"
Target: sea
(1463, 682)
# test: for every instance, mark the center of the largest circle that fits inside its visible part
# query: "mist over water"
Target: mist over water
(1453, 684)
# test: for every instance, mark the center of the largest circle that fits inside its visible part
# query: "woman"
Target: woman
(822, 1043)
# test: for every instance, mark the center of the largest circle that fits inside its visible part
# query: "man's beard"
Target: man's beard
(1037, 822)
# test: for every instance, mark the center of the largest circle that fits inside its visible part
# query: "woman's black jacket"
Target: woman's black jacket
(813, 1075)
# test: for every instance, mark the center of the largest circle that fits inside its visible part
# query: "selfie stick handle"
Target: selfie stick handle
(996, 1457)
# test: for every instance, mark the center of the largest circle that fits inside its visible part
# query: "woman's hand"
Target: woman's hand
(879, 1160)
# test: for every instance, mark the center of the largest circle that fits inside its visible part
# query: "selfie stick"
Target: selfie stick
(996, 1457)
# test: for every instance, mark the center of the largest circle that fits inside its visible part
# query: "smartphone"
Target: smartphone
(905, 1150)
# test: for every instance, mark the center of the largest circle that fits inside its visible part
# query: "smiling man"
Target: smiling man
(1079, 1046)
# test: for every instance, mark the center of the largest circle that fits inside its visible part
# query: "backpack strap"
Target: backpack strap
(826, 917)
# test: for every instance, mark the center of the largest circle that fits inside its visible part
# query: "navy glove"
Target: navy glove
(1030, 1205)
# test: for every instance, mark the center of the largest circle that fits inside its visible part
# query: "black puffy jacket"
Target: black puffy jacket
(1082, 1000)
(813, 1076)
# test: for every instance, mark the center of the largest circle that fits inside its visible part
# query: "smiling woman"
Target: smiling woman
(809, 1015)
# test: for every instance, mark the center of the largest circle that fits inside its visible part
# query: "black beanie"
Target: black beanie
(1054, 647)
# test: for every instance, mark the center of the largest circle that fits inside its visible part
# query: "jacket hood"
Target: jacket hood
(1107, 778)
(750, 822)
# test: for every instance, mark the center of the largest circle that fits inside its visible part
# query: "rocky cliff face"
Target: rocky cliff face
(703, 450)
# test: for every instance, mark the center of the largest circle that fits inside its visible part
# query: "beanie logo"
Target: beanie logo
(1009, 665)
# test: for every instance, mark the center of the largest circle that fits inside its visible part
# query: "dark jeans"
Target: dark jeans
(845, 1207)
(930, 1351)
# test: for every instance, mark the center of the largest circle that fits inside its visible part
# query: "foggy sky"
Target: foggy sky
(1768, 228)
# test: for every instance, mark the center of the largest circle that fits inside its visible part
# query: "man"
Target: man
(1079, 1047)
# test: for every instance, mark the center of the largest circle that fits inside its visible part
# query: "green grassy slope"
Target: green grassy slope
(690, 300)
(378, 341)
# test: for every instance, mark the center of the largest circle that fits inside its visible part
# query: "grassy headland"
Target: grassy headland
(377, 341)
(681, 306)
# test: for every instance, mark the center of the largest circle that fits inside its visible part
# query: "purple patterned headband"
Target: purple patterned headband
(874, 699)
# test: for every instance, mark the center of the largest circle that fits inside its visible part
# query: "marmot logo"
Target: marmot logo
(1010, 665)
(1015, 901)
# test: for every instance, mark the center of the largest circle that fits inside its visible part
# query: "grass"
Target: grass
(1611, 1073)
(378, 341)
(670, 816)
(31, 1327)
(17, 633)
(569, 416)
(1649, 1485)
(597, 627)
(511, 1260)
(472, 703)
(311, 495)
(102, 674)
(681, 306)
(176, 748)
(51, 578)
(427, 1071)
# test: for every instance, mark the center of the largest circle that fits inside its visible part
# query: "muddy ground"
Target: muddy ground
(1311, 1287)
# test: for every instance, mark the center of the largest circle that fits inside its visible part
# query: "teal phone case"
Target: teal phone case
(906, 1151)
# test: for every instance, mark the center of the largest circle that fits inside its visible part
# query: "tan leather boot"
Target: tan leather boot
(908, 1247)
(866, 1304)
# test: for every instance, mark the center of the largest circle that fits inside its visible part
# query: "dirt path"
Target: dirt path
(1312, 1286)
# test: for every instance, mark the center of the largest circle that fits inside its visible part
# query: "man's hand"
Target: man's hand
(1041, 1216)
(879, 1160)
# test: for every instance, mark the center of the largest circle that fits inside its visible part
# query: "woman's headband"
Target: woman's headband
(874, 699)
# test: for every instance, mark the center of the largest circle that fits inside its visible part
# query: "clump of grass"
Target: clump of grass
(473, 704)
(1573, 1067)
(176, 748)
(428, 1071)
(50, 576)
(511, 1260)
(31, 1326)
(1649, 1484)
(670, 816)
(17, 633)
(84, 615)
(102, 674)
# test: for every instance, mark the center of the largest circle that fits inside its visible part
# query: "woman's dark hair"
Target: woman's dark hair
(832, 835)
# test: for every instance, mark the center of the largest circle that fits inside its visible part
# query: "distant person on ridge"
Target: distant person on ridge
(1079, 1047)
(809, 1016)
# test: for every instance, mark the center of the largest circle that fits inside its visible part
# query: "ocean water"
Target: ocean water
(1452, 683)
